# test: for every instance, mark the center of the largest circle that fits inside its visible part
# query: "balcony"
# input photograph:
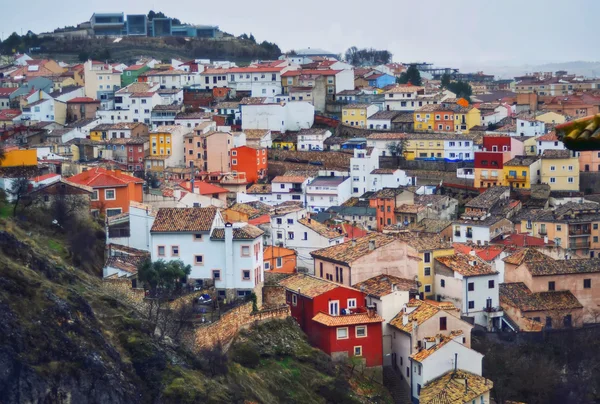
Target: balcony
(516, 178)
(579, 244)
(493, 312)
(579, 231)
(492, 178)
(543, 232)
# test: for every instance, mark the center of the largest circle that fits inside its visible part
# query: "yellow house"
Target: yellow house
(429, 247)
(17, 157)
(357, 114)
(425, 145)
(529, 146)
(161, 143)
(522, 171)
(551, 118)
(466, 118)
(560, 170)
(424, 118)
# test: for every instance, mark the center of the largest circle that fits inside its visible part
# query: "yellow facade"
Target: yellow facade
(551, 118)
(464, 121)
(354, 116)
(561, 174)
(17, 158)
(160, 144)
(96, 135)
(428, 280)
(424, 121)
(517, 176)
(284, 145)
(530, 147)
(423, 148)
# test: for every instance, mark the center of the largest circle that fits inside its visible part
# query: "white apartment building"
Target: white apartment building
(403, 98)
(368, 177)
(101, 82)
(530, 127)
(231, 255)
(312, 139)
(460, 149)
(277, 116)
(289, 188)
(325, 192)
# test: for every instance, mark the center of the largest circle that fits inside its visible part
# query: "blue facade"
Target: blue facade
(382, 81)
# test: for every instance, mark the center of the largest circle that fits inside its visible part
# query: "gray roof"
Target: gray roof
(327, 181)
(313, 52)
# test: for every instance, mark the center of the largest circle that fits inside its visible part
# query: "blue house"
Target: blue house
(380, 80)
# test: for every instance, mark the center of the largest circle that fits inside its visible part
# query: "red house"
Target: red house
(251, 161)
(335, 318)
(137, 149)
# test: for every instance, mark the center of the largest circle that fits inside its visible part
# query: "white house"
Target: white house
(368, 177)
(41, 110)
(386, 143)
(291, 227)
(492, 112)
(229, 254)
(289, 188)
(481, 230)
(325, 192)
(213, 78)
(312, 139)
(260, 81)
(530, 127)
(266, 113)
(131, 229)
(549, 141)
(460, 149)
(403, 98)
(471, 284)
(174, 79)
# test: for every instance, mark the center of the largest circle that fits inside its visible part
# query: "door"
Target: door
(334, 307)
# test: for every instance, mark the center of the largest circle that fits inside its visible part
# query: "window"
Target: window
(175, 251)
(109, 194)
(279, 262)
(290, 221)
(427, 257)
(427, 288)
(570, 180)
(358, 351)
(442, 283)
(294, 299)
(216, 274)
(342, 332)
(198, 259)
(427, 271)
(552, 180)
(246, 275)
(558, 227)
(94, 195)
(595, 226)
(197, 237)
(551, 285)
(245, 251)
(491, 284)
(472, 304)
(587, 283)
(334, 307)
(290, 235)
(161, 250)
(471, 286)
(361, 331)
(443, 325)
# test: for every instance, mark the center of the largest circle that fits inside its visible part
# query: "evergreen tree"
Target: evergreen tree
(411, 75)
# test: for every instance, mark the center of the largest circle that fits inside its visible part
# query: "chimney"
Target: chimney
(437, 339)
(371, 245)
(353, 243)
(393, 287)
(370, 311)
(405, 318)
(545, 239)
(429, 343)
(229, 278)
(118, 172)
(472, 252)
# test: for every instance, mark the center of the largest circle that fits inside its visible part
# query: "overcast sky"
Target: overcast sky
(460, 33)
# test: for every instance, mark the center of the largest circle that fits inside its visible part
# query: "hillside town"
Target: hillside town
(391, 213)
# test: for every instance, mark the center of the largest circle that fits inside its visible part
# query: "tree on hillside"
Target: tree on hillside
(445, 80)
(411, 75)
(367, 56)
(163, 276)
(152, 15)
(462, 89)
(19, 188)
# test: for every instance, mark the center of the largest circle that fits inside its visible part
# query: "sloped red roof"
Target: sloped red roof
(487, 253)
(83, 100)
(9, 114)
(204, 188)
(6, 91)
(524, 240)
(100, 178)
(44, 177)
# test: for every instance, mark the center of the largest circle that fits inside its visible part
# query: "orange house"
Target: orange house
(112, 190)
(251, 161)
(280, 260)
(385, 201)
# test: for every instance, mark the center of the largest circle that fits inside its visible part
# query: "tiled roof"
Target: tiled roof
(321, 229)
(466, 265)
(522, 161)
(564, 267)
(384, 171)
(423, 354)
(117, 126)
(387, 136)
(289, 179)
(227, 105)
(187, 220)
(424, 242)
(9, 114)
(248, 232)
(348, 252)
(252, 100)
(556, 154)
(523, 240)
(83, 100)
(518, 295)
(527, 255)
(382, 285)
(99, 177)
(487, 199)
(407, 208)
(259, 189)
(255, 134)
(548, 137)
(308, 286)
(348, 319)
(387, 193)
(404, 88)
(433, 225)
(455, 387)
(487, 253)
(127, 263)
(423, 312)
(6, 91)
(385, 115)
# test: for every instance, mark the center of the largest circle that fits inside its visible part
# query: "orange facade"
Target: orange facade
(385, 211)
(280, 260)
(251, 161)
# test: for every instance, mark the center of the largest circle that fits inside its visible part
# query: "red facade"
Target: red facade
(385, 211)
(489, 160)
(496, 143)
(251, 161)
(324, 333)
(135, 156)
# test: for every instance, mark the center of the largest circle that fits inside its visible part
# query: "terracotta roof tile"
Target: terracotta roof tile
(381, 285)
(424, 242)
(466, 265)
(345, 320)
(248, 232)
(259, 189)
(99, 177)
(423, 312)
(319, 228)
(296, 179)
(350, 251)
(186, 220)
(520, 296)
(455, 387)
(309, 286)
(556, 154)
(423, 354)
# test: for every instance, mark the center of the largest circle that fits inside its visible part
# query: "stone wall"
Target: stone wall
(123, 288)
(224, 330)
(273, 296)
